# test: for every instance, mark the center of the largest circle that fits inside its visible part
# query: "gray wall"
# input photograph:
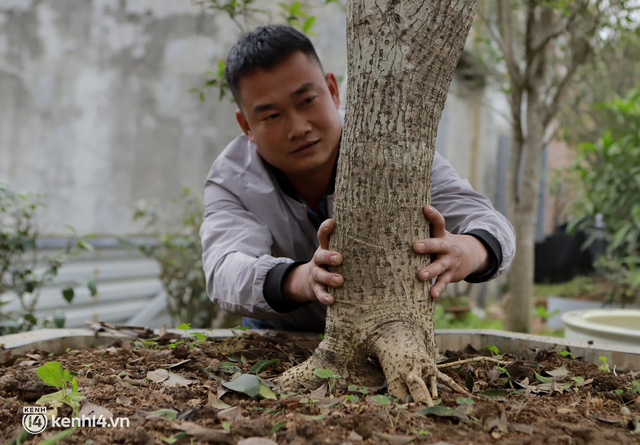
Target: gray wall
(94, 103)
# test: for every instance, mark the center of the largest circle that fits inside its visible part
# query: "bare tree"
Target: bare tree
(401, 58)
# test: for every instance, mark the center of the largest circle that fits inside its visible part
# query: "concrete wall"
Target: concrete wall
(95, 109)
(94, 103)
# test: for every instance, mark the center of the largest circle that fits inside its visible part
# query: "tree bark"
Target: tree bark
(401, 57)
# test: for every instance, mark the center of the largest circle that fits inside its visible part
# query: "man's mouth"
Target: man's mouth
(305, 147)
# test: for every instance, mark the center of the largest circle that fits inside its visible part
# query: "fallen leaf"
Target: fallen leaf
(262, 364)
(319, 393)
(521, 428)
(611, 420)
(216, 402)
(231, 414)
(355, 437)
(123, 400)
(256, 441)
(179, 364)
(177, 380)
(566, 411)
(163, 413)
(248, 384)
(559, 373)
(328, 403)
(91, 410)
(158, 376)
(393, 439)
(495, 394)
(206, 434)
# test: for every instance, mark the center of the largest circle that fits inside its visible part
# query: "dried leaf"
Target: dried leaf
(611, 420)
(216, 402)
(158, 376)
(164, 413)
(179, 364)
(559, 373)
(206, 434)
(177, 380)
(91, 410)
(521, 428)
(256, 441)
(328, 403)
(231, 414)
(319, 393)
(123, 400)
(438, 410)
(393, 439)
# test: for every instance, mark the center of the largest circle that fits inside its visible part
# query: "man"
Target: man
(271, 189)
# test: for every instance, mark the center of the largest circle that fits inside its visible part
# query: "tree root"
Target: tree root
(472, 360)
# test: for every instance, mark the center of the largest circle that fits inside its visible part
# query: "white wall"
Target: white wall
(94, 103)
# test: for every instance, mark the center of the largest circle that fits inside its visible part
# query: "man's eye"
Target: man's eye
(309, 100)
(270, 117)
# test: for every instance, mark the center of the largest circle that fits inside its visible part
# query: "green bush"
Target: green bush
(23, 269)
(607, 177)
(179, 253)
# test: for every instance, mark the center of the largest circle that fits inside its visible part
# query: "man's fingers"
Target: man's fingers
(434, 269)
(323, 296)
(440, 285)
(327, 278)
(324, 233)
(431, 245)
(327, 258)
(437, 222)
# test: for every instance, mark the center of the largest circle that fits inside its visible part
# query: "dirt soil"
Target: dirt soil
(538, 397)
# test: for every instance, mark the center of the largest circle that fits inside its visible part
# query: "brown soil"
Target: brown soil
(601, 410)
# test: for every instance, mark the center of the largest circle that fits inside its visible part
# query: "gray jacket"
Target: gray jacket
(250, 225)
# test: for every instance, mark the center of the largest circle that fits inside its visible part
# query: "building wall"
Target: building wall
(95, 110)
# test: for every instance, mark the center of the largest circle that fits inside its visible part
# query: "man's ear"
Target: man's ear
(332, 83)
(242, 121)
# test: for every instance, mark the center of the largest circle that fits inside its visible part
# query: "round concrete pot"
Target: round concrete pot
(604, 326)
(626, 358)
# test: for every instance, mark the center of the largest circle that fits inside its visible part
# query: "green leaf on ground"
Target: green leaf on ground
(170, 414)
(262, 364)
(248, 384)
(495, 394)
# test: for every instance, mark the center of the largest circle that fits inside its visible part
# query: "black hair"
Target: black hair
(265, 47)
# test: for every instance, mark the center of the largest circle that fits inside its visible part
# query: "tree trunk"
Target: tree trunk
(401, 57)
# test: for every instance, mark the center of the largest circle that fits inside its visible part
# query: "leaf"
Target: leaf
(256, 441)
(164, 413)
(438, 410)
(319, 393)
(248, 384)
(173, 439)
(278, 426)
(464, 401)
(266, 392)
(205, 434)
(381, 400)
(308, 24)
(51, 374)
(184, 326)
(262, 364)
(230, 414)
(559, 372)
(93, 288)
(318, 417)
(544, 379)
(68, 294)
(177, 380)
(495, 394)
(216, 402)
(158, 376)
(468, 382)
(92, 410)
(324, 373)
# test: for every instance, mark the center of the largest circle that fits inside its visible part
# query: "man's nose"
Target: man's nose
(298, 126)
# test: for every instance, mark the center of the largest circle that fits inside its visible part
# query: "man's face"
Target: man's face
(291, 114)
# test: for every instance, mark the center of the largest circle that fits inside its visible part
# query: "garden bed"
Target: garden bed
(176, 394)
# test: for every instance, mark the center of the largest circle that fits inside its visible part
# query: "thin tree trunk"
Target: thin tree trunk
(520, 279)
(401, 57)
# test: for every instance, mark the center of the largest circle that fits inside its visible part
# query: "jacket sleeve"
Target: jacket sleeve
(236, 254)
(467, 211)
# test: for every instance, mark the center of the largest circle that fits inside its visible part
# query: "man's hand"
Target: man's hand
(309, 281)
(456, 256)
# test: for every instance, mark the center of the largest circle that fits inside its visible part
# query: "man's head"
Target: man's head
(288, 105)
(264, 48)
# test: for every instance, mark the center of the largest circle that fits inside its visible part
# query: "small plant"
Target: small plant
(604, 366)
(329, 375)
(635, 387)
(567, 354)
(493, 349)
(69, 394)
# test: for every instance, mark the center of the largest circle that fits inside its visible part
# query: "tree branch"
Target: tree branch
(505, 28)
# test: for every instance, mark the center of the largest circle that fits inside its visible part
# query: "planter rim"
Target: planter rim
(58, 340)
(580, 320)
